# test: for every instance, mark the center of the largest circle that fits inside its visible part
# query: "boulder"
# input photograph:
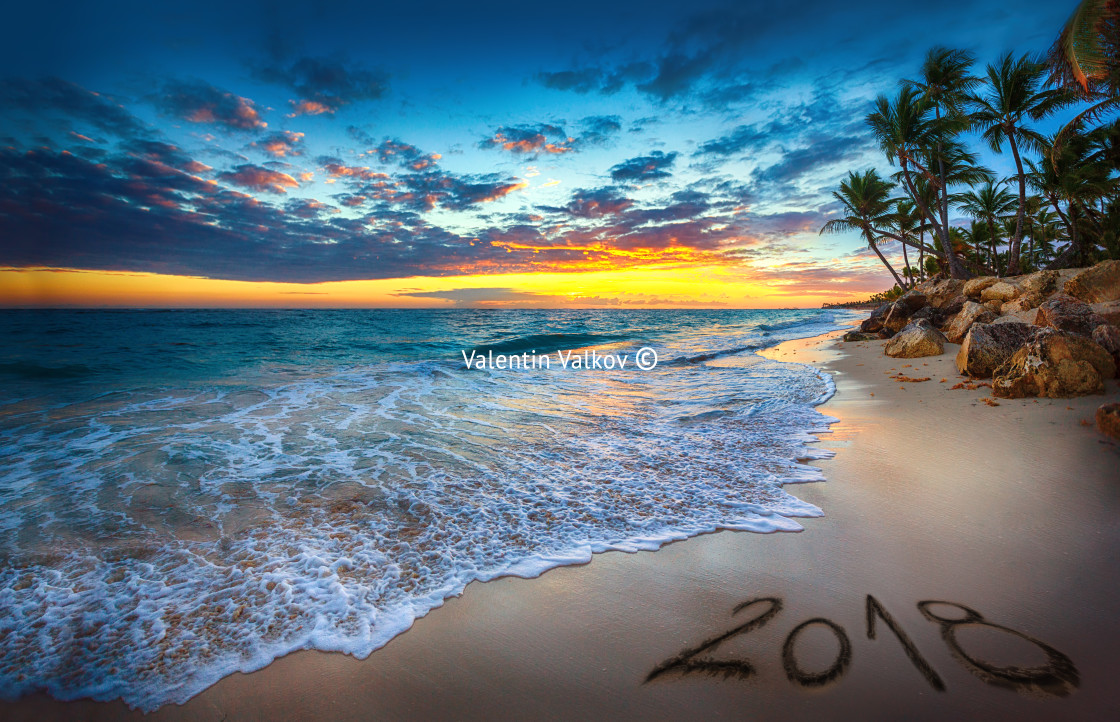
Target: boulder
(913, 299)
(1054, 364)
(1024, 302)
(988, 346)
(1040, 283)
(976, 286)
(1108, 420)
(938, 293)
(1028, 317)
(1097, 284)
(929, 313)
(994, 306)
(1108, 337)
(1109, 311)
(875, 321)
(860, 336)
(1002, 292)
(885, 333)
(953, 305)
(1066, 313)
(897, 317)
(970, 314)
(916, 340)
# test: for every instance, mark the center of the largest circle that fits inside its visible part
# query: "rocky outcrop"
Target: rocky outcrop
(898, 316)
(973, 288)
(1002, 292)
(953, 305)
(875, 321)
(1067, 313)
(1027, 317)
(971, 313)
(1108, 337)
(1109, 311)
(930, 314)
(939, 293)
(994, 306)
(1097, 284)
(860, 336)
(913, 300)
(988, 346)
(1054, 364)
(1108, 420)
(916, 340)
(1041, 283)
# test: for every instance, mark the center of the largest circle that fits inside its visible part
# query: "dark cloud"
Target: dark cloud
(644, 167)
(596, 80)
(598, 129)
(821, 153)
(466, 296)
(392, 150)
(257, 178)
(282, 144)
(200, 102)
(738, 140)
(69, 103)
(323, 85)
(598, 203)
(165, 153)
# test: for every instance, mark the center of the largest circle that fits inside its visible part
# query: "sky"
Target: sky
(434, 154)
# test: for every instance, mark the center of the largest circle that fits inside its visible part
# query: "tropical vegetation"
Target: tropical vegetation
(951, 215)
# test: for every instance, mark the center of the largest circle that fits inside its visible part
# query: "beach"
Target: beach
(932, 495)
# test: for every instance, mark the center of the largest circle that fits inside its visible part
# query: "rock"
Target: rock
(1027, 317)
(994, 306)
(1066, 313)
(970, 314)
(1054, 364)
(953, 305)
(1109, 311)
(916, 340)
(860, 336)
(913, 299)
(897, 317)
(1108, 337)
(1002, 292)
(1108, 420)
(937, 293)
(1097, 284)
(1040, 283)
(929, 313)
(875, 322)
(885, 333)
(988, 346)
(976, 286)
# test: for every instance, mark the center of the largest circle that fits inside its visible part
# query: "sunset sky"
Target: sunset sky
(438, 154)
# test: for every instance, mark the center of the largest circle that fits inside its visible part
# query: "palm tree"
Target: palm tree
(945, 81)
(990, 204)
(906, 133)
(867, 206)
(1013, 94)
(907, 224)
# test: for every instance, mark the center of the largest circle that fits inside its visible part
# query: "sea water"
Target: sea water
(186, 494)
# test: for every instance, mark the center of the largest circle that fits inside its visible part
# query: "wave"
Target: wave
(709, 355)
(820, 317)
(28, 370)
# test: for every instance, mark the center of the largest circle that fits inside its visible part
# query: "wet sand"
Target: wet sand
(1012, 510)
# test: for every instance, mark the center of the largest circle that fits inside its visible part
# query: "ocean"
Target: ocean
(189, 493)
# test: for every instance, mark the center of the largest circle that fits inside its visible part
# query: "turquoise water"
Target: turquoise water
(185, 494)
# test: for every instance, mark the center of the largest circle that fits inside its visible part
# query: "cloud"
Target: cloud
(165, 153)
(596, 80)
(199, 102)
(738, 140)
(467, 296)
(530, 139)
(597, 203)
(324, 85)
(70, 101)
(408, 156)
(644, 167)
(281, 144)
(257, 178)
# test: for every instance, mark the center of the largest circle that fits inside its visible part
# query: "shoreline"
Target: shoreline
(578, 640)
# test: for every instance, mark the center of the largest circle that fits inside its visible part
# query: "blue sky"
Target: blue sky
(282, 142)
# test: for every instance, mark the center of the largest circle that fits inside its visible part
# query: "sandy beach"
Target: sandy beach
(1012, 511)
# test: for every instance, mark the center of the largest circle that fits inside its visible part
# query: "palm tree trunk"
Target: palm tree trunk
(906, 268)
(1073, 250)
(875, 247)
(956, 270)
(943, 199)
(921, 255)
(992, 245)
(1017, 239)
